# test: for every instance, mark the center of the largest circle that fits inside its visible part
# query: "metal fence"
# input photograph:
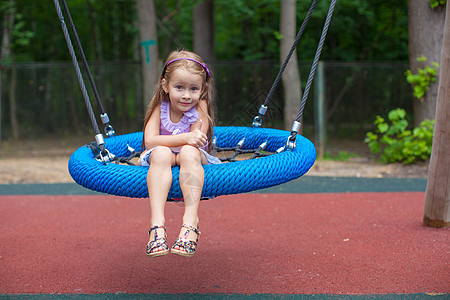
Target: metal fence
(48, 100)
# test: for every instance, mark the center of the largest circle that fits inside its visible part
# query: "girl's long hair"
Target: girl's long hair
(207, 93)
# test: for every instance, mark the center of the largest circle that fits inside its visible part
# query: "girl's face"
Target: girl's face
(184, 89)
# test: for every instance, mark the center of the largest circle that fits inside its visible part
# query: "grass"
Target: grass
(341, 156)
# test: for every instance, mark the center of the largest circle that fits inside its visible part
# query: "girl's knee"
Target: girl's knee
(189, 154)
(161, 154)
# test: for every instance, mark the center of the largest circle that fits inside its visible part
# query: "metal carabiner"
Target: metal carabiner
(291, 142)
(257, 121)
(109, 130)
(106, 157)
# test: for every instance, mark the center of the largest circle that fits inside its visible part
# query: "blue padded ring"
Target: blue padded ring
(222, 179)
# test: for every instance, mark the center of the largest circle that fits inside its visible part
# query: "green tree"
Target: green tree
(244, 29)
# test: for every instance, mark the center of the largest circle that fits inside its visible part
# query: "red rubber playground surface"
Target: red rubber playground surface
(361, 243)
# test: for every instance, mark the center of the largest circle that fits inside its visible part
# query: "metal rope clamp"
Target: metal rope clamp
(291, 142)
(109, 130)
(105, 155)
(257, 121)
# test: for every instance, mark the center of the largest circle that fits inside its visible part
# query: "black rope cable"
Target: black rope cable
(77, 67)
(290, 144)
(83, 57)
(288, 57)
(86, 66)
(316, 60)
(98, 135)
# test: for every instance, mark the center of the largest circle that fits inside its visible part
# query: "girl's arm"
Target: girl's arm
(199, 130)
(194, 138)
(203, 121)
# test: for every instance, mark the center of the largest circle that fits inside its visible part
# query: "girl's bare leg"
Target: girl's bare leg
(192, 177)
(159, 180)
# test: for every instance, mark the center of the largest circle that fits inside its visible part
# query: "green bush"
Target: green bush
(396, 142)
(422, 80)
(436, 3)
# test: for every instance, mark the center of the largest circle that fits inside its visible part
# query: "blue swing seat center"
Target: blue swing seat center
(221, 179)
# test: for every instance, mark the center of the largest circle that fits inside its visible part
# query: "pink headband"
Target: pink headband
(191, 59)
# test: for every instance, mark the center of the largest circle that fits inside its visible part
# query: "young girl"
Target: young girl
(177, 130)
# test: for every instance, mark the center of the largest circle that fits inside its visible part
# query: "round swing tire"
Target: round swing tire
(220, 179)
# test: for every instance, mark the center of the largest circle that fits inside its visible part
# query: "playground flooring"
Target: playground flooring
(312, 238)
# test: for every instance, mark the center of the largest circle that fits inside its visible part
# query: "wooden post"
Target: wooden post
(437, 195)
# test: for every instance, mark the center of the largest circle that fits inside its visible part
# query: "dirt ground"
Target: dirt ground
(45, 161)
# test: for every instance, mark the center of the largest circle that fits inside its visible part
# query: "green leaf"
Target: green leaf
(278, 35)
(421, 58)
(382, 128)
(370, 137)
(378, 120)
(375, 147)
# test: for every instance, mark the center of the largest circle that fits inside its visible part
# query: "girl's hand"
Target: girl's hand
(196, 137)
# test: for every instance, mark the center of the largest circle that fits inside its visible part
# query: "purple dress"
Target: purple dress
(167, 127)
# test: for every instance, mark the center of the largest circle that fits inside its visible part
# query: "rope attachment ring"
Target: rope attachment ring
(257, 121)
(109, 130)
(292, 139)
(105, 155)
(291, 142)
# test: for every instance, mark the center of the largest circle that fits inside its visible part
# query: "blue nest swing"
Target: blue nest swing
(220, 179)
(287, 155)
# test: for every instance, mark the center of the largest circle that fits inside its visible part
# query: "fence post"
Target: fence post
(320, 126)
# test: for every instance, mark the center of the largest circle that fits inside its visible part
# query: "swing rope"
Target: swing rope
(104, 153)
(104, 116)
(262, 110)
(296, 125)
(291, 141)
(77, 68)
(316, 60)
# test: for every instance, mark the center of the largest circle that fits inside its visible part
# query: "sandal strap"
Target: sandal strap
(189, 227)
(154, 244)
(189, 246)
(157, 241)
(156, 227)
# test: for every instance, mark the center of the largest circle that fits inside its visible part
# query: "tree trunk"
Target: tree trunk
(8, 23)
(149, 48)
(291, 75)
(7, 54)
(425, 27)
(437, 195)
(204, 29)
